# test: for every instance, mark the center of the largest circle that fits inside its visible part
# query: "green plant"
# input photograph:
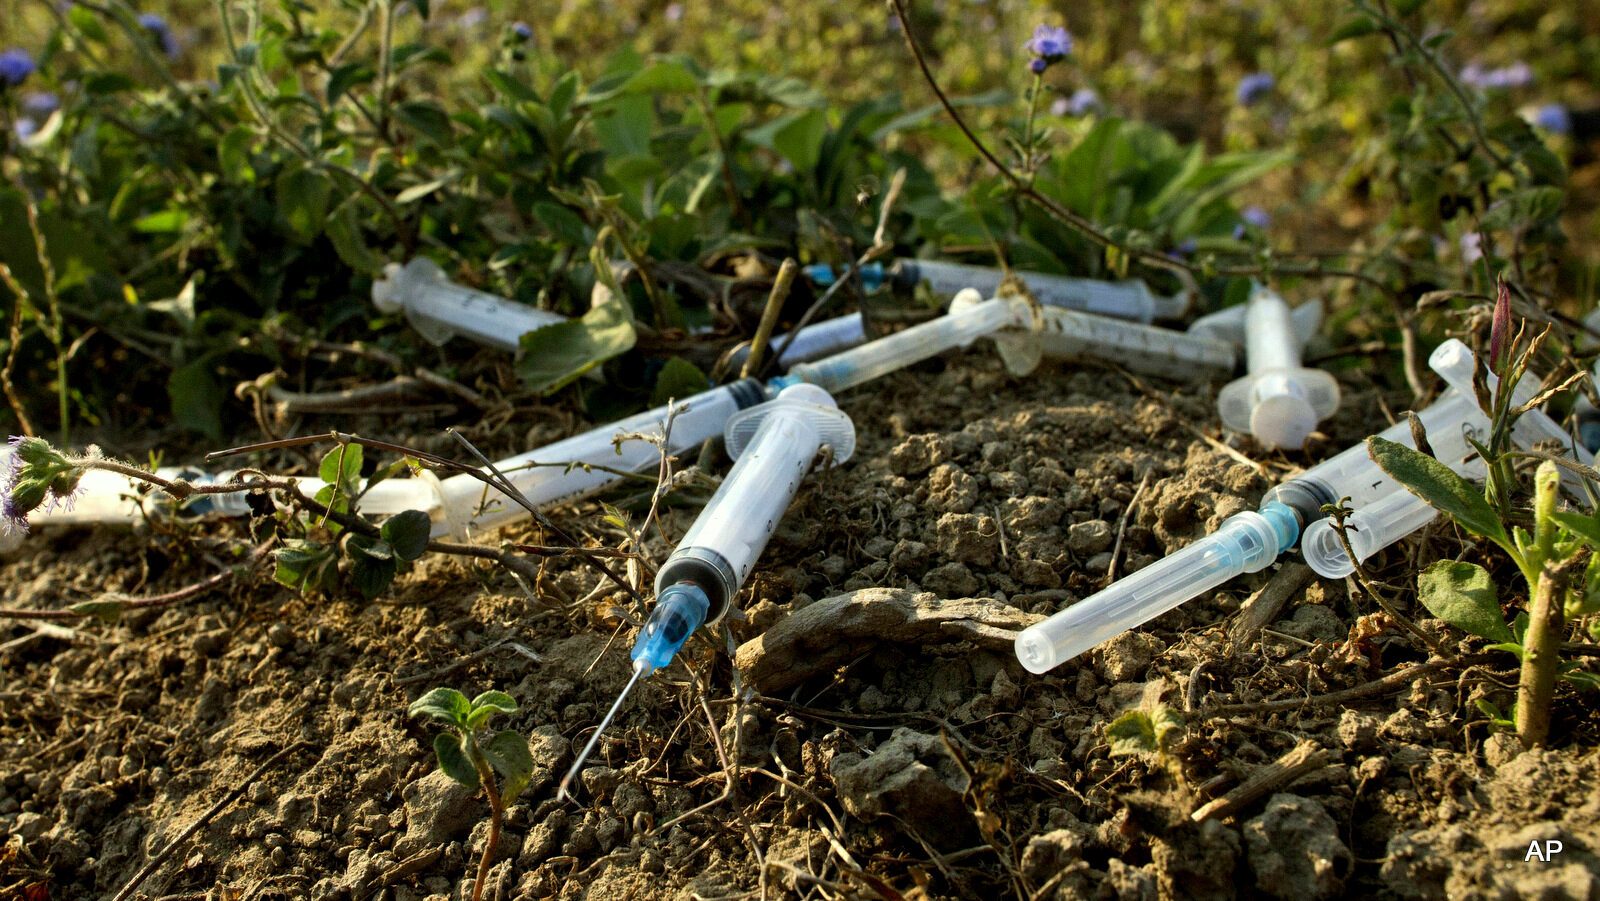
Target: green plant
(474, 762)
(1554, 550)
(1149, 734)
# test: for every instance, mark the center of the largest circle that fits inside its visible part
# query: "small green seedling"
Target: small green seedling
(474, 763)
(1558, 560)
(1148, 734)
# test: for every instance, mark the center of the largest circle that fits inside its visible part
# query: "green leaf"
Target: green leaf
(444, 704)
(1137, 732)
(344, 232)
(453, 760)
(407, 532)
(197, 397)
(678, 379)
(87, 22)
(107, 612)
(566, 225)
(1580, 678)
(372, 568)
(422, 7)
(556, 354)
(163, 222)
(428, 120)
(417, 192)
(1462, 595)
(233, 154)
(1435, 483)
(1584, 527)
(1360, 26)
(346, 77)
(366, 546)
(342, 465)
(508, 753)
(303, 195)
(102, 83)
(497, 700)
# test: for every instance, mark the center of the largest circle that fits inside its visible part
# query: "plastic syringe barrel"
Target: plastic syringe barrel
(719, 550)
(1454, 363)
(440, 309)
(563, 477)
(1127, 299)
(818, 340)
(919, 342)
(1370, 529)
(1068, 334)
(1246, 542)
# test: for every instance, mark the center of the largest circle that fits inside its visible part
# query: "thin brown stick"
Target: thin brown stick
(1394, 680)
(20, 297)
(1122, 527)
(210, 814)
(1304, 758)
(769, 317)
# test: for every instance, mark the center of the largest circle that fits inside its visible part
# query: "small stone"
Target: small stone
(438, 809)
(912, 777)
(1089, 538)
(1126, 656)
(918, 454)
(910, 556)
(952, 580)
(29, 826)
(1358, 731)
(611, 833)
(1057, 856)
(969, 538)
(280, 635)
(1295, 850)
(600, 781)
(1405, 725)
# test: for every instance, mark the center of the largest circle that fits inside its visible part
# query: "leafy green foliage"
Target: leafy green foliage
(1462, 595)
(1437, 484)
(465, 758)
(1140, 732)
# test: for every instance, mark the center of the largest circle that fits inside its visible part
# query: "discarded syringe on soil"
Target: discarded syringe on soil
(1127, 299)
(1375, 525)
(774, 445)
(1246, 542)
(439, 309)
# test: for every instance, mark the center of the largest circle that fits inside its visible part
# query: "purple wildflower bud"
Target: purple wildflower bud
(1084, 101)
(1254, 86)
(15, 66)
(1500, 329)
(1050, 43)
(1038, 65)
(25, 128)
(522, 30)
(13, 520)
(161, 33)
(1553, 117)
(40, 103)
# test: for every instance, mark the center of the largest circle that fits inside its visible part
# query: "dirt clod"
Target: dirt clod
(1295, 851)
(910, 776)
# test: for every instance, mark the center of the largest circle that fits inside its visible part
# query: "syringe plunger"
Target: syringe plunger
(1280, 402)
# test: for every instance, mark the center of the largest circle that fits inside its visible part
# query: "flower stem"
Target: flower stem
(1541, 656)
(1027, 132)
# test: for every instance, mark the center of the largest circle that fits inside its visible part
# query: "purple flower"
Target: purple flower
(40, 103)
(1084, 101)
(25, 128)
(1500, 325)
(1050, 42)
(1184, 249)
(160, 33)
(1553, 117)
(673, 12)
(1254, 86)
(1516, 75)
(1060, 106)
(1253, 217)
(15, 66)
(1038, 65)
(1471, 247)
(522, 30)
(13, 520)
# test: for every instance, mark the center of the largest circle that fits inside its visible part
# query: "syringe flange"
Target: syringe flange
(809, 401)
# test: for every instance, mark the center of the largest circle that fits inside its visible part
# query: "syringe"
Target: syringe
(1280, 401)
(440, 309)
(1397, 512)
(109, 498)
(1245, 543)
(829, 336)
(774, 445)
(1128, 299)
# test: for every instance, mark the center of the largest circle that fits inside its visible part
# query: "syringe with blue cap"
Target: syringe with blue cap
(774, 445)
(1249, 542)
(1382, 521)
(1128, 299)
